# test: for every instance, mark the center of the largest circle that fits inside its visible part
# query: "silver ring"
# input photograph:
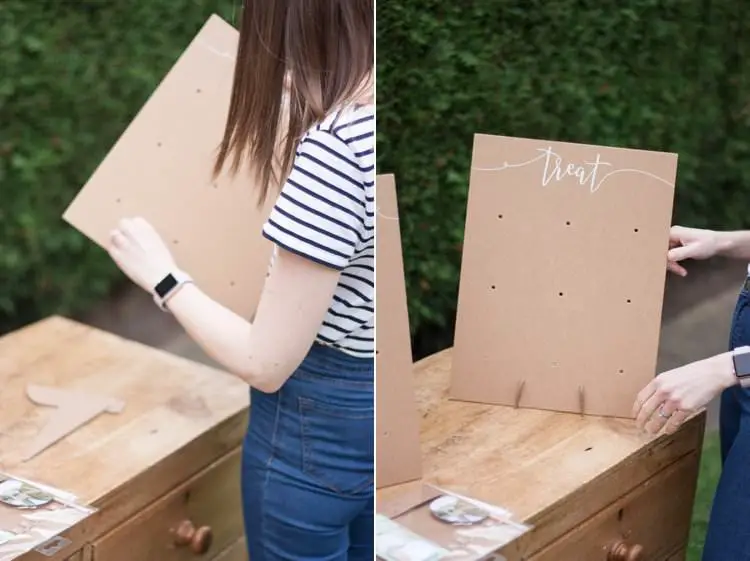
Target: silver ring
(662, 414)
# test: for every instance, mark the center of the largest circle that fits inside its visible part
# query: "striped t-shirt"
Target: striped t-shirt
(325, 212)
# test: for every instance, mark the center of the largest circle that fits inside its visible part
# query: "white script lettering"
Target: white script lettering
(556, 169)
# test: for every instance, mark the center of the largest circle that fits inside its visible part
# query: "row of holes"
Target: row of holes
(567, 222)
(494, 287)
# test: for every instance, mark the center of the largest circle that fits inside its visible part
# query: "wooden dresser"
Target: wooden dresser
(594, 489)
(164, 473)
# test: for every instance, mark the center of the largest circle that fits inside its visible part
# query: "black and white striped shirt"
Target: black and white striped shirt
(326, 213)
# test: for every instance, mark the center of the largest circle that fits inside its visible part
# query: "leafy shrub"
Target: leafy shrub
(668, 75)
(72, 75)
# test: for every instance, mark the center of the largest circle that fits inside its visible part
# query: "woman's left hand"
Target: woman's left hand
(139, 251)
(670, 398)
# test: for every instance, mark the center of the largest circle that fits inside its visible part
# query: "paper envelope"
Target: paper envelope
(398, 452)
(562, 275)
(161, 169)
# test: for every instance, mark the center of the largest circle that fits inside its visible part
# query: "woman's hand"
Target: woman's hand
(139, 251)
(673, 396)
(690, 243)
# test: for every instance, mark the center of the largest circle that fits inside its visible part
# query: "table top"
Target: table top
(526, 460)
(178, 415)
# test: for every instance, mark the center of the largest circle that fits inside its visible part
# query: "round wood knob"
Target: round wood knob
(620, 551)
(197, 539)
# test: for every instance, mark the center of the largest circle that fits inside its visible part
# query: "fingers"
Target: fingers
(676, 268)
(118, 239)
(674, 422)
(682, 252)
(648, 409)
(643, 396)
(664, 412)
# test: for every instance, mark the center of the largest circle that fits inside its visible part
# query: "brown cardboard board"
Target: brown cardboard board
(398, 456)
(160, 169)
(71, 410)
(562, 276)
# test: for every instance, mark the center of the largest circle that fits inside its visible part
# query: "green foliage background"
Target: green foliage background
(670, 75)
(657, 74)
(72, 75)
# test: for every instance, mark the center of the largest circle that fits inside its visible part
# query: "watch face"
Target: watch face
(165, 285)
(742, 364)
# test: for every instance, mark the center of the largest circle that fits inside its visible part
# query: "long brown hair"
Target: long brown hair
(320, 51)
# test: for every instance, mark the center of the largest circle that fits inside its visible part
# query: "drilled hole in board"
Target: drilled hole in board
(620, 514)
(567, 223)
(500, 216)
(629, 300)
(158, 144)
(635, 230)
(198, 90)
(588, 449)
(621, 371)
(560, 294)
(493, 287)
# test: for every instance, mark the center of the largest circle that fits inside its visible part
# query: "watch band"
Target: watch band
(741, 363)
(168, 287)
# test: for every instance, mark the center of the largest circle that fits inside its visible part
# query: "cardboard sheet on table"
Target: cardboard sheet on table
(161, 169)
(562, 276)
(460, 543)
(398, 452)
(410, 495)
(31, 515)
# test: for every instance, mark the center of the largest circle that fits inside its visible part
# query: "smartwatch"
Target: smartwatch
(741, 361)
(169, 285)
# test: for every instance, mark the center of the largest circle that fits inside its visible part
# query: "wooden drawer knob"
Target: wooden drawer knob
(197, 539)
(620, 551)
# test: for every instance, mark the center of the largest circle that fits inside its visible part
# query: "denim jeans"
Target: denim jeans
(728, 536)
(307, 465)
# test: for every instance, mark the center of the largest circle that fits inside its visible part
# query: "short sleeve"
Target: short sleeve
(321, 210)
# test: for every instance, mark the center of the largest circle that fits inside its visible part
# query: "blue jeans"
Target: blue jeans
(307, 464)
(728, 536)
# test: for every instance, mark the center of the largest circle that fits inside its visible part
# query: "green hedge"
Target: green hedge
(668, 75)
(72, 75)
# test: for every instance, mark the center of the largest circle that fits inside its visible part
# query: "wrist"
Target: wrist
(725, 243)
(723, 365)
(170, 284)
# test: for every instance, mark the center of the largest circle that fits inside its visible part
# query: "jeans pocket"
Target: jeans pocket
(740, 331)
(338, 446)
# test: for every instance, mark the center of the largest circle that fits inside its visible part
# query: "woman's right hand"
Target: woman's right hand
(690, 243)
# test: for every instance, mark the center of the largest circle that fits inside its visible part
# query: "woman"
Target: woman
(307, 473)
(671, 397)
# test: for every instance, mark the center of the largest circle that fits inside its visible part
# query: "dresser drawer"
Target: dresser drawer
(236, 552)
(655, 515)
(199, 519)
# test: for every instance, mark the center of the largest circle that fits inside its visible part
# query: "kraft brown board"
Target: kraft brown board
(398, 457)
(161, 169)
(562, 275)
(70, 410)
